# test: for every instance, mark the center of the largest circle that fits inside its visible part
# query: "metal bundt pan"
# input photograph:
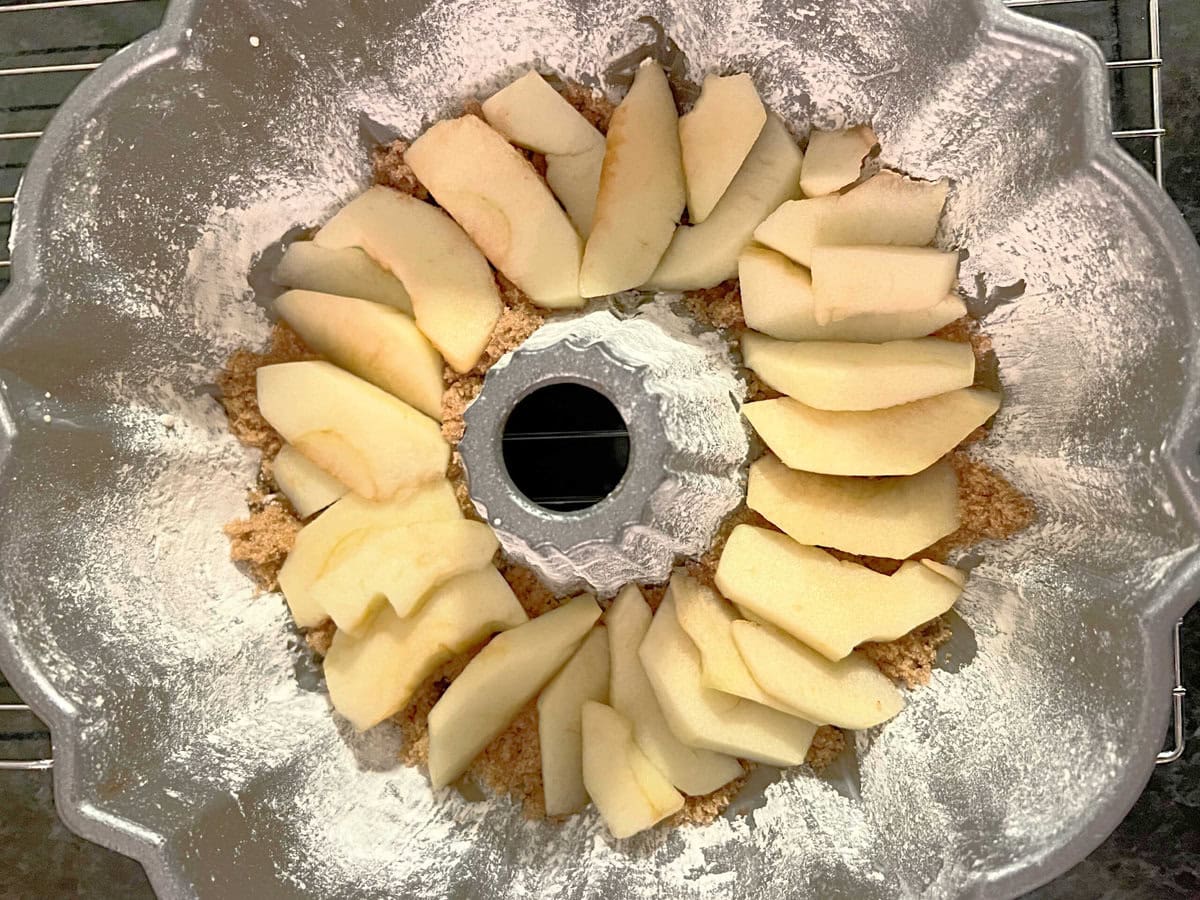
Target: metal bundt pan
(188, 730)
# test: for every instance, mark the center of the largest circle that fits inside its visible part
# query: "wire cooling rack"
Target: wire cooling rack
(47, 47)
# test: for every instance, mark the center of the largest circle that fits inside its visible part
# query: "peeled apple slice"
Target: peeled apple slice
(716, 137)
(560, 709)
(400, 565)
(707, 619)
(835, 375)
(777, 300)
(322, 542)
(373, 341)
(876, 280)
(373, 677)
(493, 192)
(850, 693)
(495, 686)
(532, 114)
(888, 517)
(829, 604)
(346, 273)
(693, 771)
(704, 255)
(372, 442)
(714, 720)
(899, 440)
(455, 300)
(887, 208)
(833, 159)
(308, 487)
(641, 189)
(630, 793)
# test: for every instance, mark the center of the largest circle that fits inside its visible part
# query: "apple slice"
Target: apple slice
(889, 517)
(345, 273)
(706, 619)
(498, 683)
(400, 565)
(493, 192)
(899, 440)
(364, 437)
(843, 376)
(532, 114)
(777, 300)
(714, 720)
(829, 604)
(560, 707)
(887, 208)
(373, 677)
(693, 771)
(308, 487)
(849, 693)
(374, 342)
(320, 543)
(641, 189)
(715, 138)
(454, 296)
(958, 576)
(701, 256)
(853, 281)
(833, 159)
(629, 792)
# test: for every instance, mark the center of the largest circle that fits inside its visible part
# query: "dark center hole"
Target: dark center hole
(566, 447)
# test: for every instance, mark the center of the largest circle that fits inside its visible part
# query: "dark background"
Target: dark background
(1155, 853)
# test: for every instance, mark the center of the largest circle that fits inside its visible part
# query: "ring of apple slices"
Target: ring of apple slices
(841, 290)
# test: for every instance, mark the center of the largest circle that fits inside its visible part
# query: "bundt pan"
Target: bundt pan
(189, 729)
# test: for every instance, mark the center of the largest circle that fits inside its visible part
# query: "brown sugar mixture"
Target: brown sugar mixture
(990, 507)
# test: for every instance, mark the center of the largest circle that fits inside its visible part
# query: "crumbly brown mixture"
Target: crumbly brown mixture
(261, 542)
(390, 170)
(827, 745)
(592, 104)
(239, 393)
(910, 660)
(718, 307)
(320, 638)
(705, 808)
(990, 508)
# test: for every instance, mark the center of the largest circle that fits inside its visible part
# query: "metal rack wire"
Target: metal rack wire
(32, 70)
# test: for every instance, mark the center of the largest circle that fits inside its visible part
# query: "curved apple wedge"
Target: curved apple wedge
(694, 771)
(777, 300)
(308, 487)
(829, 604)
(364, 437)
(455, 300)
(374, 676)
(707, 619)
(834, 159)
(347, 272)
(899, 440)
(716, 136)
(889, 517)
(493, 192)
(835, 375)
(887, 208)
(375, 342)
(400, 566)
(704, 255)
(532, 114)
(498, 683)
(850, 693)
(560, 737)
(710, 719)
(641, 189)
(322, 542)
(630, 793)
(877, 280)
